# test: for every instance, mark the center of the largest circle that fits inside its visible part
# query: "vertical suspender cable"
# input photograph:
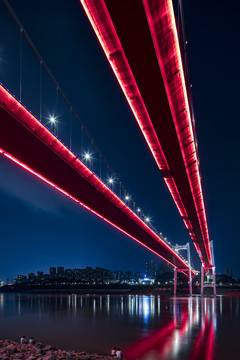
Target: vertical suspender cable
(40, 95)
(82, 142)
(55, 125)
(20, 66)
(43, 65)
(70, 128)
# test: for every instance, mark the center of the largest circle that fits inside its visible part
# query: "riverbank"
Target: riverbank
(12, 350)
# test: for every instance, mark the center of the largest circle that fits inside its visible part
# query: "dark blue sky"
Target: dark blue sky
(42, 228)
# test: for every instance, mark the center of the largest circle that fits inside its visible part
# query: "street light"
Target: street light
(110, 180)
(52, 119)
(87, 156)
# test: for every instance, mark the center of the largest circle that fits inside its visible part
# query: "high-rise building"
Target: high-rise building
(60, 271)
(118, 275)
(52, 272)
(137, 275)
(31, 277)
(69, 273)
(21, 279)
(128, 275)
(78, 274)
(150, 270)
(164, 268)
(229, 271)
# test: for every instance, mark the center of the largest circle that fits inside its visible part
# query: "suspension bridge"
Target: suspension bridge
(156, 90)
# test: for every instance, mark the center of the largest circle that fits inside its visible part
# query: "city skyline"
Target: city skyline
(56, 271)
(39, 225)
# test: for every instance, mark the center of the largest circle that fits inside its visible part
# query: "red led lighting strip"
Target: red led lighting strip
(21, 114)
(170, 63)
(101, 22)
(110, 43)
(106, 34)
(25, 167)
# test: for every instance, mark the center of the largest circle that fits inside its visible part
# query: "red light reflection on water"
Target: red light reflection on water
(204, 346)
(159, 341)
(142, 347)
(168, 341)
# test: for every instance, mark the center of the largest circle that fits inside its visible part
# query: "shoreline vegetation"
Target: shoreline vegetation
(13, 350)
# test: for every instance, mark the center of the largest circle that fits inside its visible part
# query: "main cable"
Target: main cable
(44, 65)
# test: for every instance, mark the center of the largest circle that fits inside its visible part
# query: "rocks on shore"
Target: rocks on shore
(12, 350)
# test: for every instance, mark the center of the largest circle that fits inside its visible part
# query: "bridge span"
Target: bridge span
(141, 43)
(28, 143)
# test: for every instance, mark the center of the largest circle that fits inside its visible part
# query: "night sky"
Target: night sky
(39, 227)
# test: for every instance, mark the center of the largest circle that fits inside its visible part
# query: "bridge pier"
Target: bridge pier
(175, 281)
(210, 272)
(183, 247)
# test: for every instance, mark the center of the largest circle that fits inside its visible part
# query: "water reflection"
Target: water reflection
(145, 327)
(175, 337)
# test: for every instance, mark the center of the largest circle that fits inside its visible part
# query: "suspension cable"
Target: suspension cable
(20, 65)
(43, 64)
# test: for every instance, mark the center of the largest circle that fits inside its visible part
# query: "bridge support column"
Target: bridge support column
(175, 281)
(210, 272)
(184, 247)
(190, 270)
(190, 282)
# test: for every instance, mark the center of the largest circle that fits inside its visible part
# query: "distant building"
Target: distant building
(137, 276)
(128, 275)
(60, 271)
(52, 272)
(228, 271)
(69, 273)
(101, 275)
(21, 279)
(78, 274)
(40, 276)
(118, 275)
(31, 277)
(89, 275)
(150, 269)
(164, 268)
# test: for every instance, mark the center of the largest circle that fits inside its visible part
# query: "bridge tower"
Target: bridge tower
(210, 273)
(177, 249)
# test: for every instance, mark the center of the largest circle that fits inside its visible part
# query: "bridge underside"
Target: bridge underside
(139, 40)
(26, 141)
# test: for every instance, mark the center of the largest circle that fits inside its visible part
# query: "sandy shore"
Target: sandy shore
(13, 350)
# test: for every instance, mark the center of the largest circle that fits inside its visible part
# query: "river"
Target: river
(145, 327)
